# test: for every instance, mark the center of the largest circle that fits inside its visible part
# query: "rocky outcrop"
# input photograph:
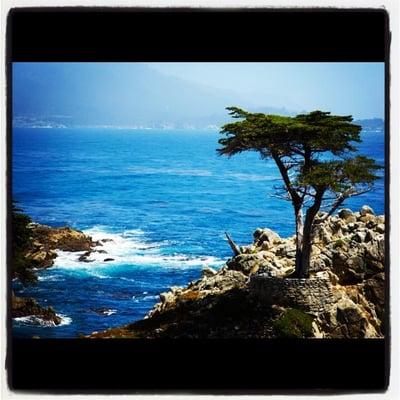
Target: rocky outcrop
(46, 240)
(254, 296)
(27, 307)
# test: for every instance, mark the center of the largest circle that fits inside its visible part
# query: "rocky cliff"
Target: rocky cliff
(253, 296)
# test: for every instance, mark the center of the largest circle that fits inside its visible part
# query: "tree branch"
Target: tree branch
(340, 200)
(284, 173)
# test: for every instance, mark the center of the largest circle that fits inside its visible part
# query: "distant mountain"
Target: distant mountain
(373, 124)
(122, 94)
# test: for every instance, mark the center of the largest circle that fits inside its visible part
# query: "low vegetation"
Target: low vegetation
(21, 242)
(294, 324)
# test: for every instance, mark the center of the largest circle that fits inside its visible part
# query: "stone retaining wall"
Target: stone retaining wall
(312, 295)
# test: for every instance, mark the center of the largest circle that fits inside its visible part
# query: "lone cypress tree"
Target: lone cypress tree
(315, 156)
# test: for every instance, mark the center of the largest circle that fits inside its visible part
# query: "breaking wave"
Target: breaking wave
(37, 321)
(128, 249)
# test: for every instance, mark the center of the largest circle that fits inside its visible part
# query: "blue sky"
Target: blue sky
(342, 88)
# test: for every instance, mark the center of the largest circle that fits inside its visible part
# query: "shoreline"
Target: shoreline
(252, 297)
(45, 240)
(243, 281)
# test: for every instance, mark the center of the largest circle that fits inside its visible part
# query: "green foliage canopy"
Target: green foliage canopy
(301, 145)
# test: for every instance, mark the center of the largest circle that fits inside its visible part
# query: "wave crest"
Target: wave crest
(35, 320)
(128, 248)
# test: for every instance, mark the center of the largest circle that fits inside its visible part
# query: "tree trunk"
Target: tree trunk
(299, 241)
(306, 251)
(304, 262)
(235, 248)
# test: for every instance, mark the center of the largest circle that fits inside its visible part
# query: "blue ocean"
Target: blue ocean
(165, 198)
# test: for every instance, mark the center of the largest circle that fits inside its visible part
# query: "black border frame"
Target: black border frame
(37, 355)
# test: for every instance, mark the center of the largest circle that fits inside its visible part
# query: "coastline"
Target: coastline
(41, 254)
(252, 296)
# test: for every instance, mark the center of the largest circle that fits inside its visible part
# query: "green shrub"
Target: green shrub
(293, 323)
(20, 243)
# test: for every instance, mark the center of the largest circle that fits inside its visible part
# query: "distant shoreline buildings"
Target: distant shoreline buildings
(368, 125)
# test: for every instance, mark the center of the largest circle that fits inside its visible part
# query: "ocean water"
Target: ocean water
(165, 198)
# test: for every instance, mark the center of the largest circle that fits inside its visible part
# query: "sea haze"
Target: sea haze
(165, 198)
(116, 94)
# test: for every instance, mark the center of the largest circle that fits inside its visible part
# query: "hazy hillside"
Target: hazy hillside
(113, 94)
(122, 94)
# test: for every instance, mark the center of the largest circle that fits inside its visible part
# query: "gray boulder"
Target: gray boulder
(345, 213)
(208, 271)
(366, 210)
(265, 235)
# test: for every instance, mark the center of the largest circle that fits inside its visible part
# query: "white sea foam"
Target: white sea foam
(35, 320)
(64, 320)
(251, 177)
(150, 297)
(127, 248)
(50, 278)
(108, 312)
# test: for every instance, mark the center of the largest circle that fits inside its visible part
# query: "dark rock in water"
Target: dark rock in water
(84, 257)
(103, 311)
(24, 307)
(108, 259)
(100, 251)
(106, 240)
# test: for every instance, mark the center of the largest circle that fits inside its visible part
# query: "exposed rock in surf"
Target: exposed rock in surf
(85, 257)
(104, 311)
(27, 306)
(46, 240)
